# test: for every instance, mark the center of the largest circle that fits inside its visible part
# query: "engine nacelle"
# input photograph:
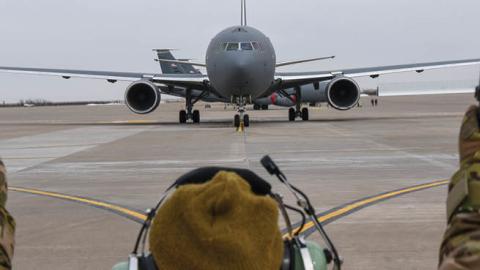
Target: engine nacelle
(343, 93)
(142, 97)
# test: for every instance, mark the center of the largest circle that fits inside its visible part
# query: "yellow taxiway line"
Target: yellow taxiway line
(350, 208)
(108, 206)
(344, 210)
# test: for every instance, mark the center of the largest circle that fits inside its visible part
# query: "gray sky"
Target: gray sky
(119, 35)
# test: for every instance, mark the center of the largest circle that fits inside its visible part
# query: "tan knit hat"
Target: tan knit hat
(220, 224)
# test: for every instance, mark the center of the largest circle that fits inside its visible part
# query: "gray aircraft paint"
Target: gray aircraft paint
(241, 72)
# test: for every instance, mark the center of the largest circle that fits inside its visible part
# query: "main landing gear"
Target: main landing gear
(298, 111)
(293, 114)
(189, 113)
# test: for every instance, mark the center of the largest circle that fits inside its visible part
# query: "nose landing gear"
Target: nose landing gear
(241, 119)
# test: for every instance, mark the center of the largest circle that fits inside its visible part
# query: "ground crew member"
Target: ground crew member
(460, 249)
(223, 216)
(217, 225)
(7, 225)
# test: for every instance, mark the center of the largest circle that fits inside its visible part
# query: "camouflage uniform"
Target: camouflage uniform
(7, 225)
(460, 248)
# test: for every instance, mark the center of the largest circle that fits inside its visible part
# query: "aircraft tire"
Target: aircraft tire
(291, 114)
(246, 120)
(256, 107)
(264, 107)
(196, 116)
(236, 121)
(305, 114)
(182, 117)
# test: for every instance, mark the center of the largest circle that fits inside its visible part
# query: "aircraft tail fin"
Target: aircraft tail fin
(244, 13)
(173, 67)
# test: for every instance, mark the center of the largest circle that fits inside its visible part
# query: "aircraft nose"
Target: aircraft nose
(239, 73)
(240, 68)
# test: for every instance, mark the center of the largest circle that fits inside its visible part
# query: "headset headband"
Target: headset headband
(203, 175)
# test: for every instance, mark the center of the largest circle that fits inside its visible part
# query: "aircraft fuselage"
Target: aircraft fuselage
(241, 62)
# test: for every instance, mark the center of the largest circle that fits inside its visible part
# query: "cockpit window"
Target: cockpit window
(241, 46)
(246, 46)
(256, 46)
(232, 47)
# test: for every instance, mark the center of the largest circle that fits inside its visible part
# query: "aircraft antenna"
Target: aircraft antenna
(244, 13)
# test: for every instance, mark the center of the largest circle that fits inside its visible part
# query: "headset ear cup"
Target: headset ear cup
(147, 263)
(288, 262)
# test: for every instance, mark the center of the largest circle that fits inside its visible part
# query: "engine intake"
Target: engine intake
(142, 97)
(343, 93)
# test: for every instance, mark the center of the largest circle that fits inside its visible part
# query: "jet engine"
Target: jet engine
(142, 97)
(343, 93)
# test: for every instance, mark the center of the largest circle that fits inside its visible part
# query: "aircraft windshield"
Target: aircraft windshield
(232, 47)
(241, 46)
(247, 46)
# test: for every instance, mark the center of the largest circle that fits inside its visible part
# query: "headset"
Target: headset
(297, 251)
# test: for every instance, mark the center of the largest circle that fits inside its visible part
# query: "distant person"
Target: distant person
(376, 102)
(373, 102)
(7, 224)
(460, 249)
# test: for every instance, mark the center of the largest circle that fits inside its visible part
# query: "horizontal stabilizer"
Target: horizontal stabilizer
(170, 65)
(181, 62)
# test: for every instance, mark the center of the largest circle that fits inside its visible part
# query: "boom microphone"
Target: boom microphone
(304, 202)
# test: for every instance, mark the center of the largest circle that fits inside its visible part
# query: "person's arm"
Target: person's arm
(460, 249)
(7, 225)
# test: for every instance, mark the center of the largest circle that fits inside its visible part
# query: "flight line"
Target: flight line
(325, 218)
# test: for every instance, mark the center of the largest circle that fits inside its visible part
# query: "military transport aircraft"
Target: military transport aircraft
(241, 69)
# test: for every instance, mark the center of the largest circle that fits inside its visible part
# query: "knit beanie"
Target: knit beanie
(220, 224)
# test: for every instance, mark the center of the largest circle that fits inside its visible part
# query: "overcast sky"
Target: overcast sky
(119, 35)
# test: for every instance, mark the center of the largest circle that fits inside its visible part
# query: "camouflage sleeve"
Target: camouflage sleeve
(461, 246)
(460, 249)
(7, 225)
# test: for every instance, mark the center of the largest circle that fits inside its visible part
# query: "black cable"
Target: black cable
(304, 218)
(312, 211)
(146, 225)
(139, 237)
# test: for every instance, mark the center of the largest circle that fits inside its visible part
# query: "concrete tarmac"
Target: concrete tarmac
(109, 154)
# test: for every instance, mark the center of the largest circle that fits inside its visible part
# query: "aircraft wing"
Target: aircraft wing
(434, 91)
(289, 80)
(195, 81)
